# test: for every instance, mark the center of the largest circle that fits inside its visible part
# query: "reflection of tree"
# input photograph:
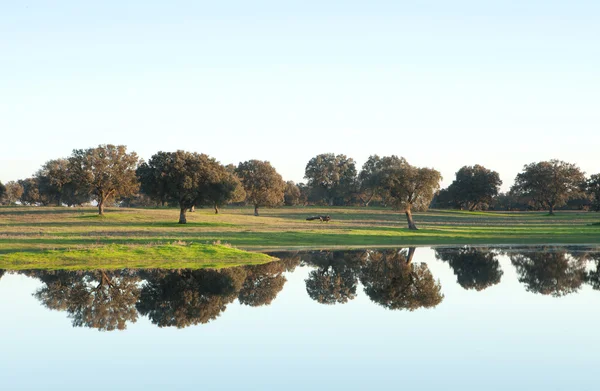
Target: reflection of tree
(392, 280)
(593, 276)
(262, 284)
(96, 299)
(474, 268)
(188, 297)
(2, 273)
(549, 272)
(336, 277)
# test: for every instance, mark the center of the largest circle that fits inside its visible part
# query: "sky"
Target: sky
(444, 84)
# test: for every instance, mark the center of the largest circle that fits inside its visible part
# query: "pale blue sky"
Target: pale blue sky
(444, 84)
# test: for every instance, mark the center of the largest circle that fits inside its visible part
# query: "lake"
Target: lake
(467, 318)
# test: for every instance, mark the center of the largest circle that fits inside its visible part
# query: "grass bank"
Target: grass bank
(130, 237)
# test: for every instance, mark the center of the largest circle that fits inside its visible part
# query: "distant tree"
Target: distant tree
(2, 192)
(409, 187)
(264, 186)
(99, 299)
(56, 183)
(593, 189)
(14, 191)
(31, 192)
(153, 177)
(549, 271)
(334, 174)
(593, 275)
(474, 268)
(225, 187)
(474, 187)
(262, 284)
(104, 172)
(369, 179)
(392, 280)
(292, 195)
(550, 184)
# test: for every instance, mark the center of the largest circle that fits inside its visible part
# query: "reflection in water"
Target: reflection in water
(550, 271)
(389, 278)
(98, 299)
(393, 281)
(110, 300)
(475, 268)
(336, 277)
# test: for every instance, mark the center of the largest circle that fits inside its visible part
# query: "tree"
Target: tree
(335, 175)
(225, 187)
(104, 172)
(264, 186)
(56, 183)
(549, 271)
(593, 189)
(550, 184)
(474, 268)
(31, 192)
(14, 191)
(369, 179)
(409, 187)
(292, 194)
(392, 280)
(474, 187)
(153, 178)
(2, 192)
(189, 178)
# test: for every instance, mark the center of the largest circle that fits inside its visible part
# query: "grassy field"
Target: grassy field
(151, 237)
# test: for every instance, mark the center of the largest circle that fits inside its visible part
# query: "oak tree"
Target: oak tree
(550, 184)
(104, 172)
(474, 187)
(334, 175)
(263, 185)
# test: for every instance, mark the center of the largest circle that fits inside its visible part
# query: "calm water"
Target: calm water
(428, 319)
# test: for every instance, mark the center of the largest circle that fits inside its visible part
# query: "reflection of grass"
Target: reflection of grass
(35, 230)
(116, 256)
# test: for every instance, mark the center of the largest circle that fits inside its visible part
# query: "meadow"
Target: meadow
(61, 237)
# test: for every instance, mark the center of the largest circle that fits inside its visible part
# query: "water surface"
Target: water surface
(422, 319)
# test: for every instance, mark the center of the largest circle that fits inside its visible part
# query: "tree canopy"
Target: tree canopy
(474, 187)
(593, 189)
(104, 172)
(549, 184)
(334, 175)
(409, 187)
(263, 185)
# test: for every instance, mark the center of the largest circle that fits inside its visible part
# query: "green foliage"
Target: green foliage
(475, 187)
(549, 184)
(292, 195)
(593, 189)
(263, 185)
(31, 192)
(14, 191)
(334, 175)
(2, 192)
(104, 173)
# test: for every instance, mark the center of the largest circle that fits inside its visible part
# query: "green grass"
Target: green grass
(145, 237)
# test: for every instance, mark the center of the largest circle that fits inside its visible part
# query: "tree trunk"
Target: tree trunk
(551, 210)
(101, 207)
(411, 254)
(409, 218)
(193, 208)
(216, 209)
(255, 210)
(182, 217)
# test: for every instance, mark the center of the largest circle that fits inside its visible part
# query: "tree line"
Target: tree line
(109, 300)
(109, 174)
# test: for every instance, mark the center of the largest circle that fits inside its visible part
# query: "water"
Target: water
(453, 319)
